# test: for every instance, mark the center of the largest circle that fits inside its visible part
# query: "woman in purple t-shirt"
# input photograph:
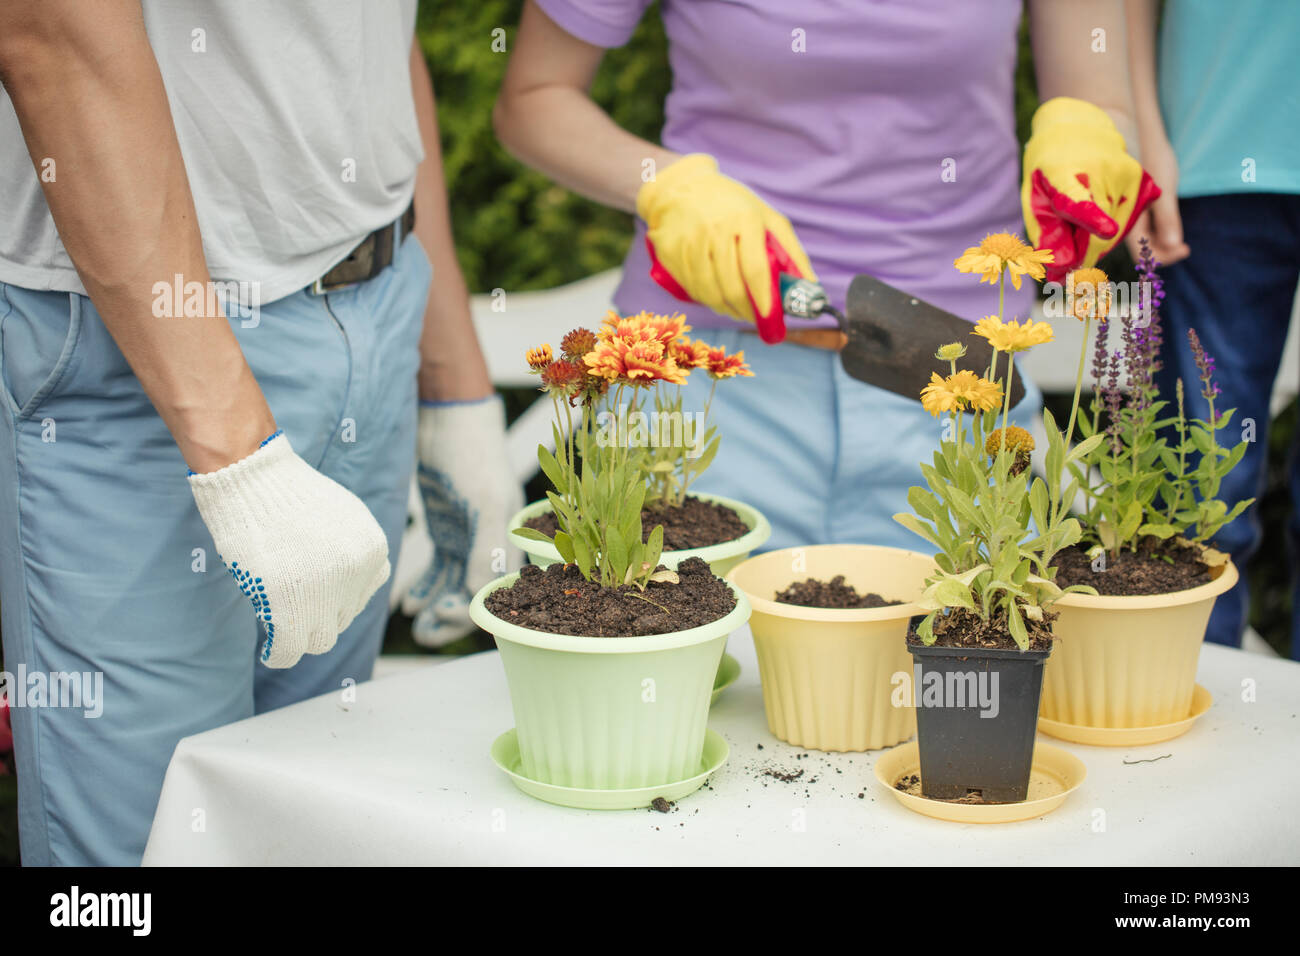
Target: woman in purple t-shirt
(881, 135)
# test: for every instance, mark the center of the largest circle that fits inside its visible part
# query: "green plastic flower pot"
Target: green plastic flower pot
(720, 557)
(609, 713)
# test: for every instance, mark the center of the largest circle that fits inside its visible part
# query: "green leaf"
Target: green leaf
(654, 547)
(582, 556)
(1017, 625)
(616, 551)
(564, 545)
(551, 468)
(1161, 531)
(924, 502)
(532, 534)
(1038, 503)
(1130, 521)
(1084, 448)
(912, 523)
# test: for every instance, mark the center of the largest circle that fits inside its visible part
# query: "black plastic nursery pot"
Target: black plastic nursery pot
(976, 715)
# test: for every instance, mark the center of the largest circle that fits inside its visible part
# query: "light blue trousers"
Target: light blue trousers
(106, 567)
(825, 457)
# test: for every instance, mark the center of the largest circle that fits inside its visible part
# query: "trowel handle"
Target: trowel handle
(801, 298)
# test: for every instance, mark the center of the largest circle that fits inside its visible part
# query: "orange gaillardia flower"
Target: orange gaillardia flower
(688, 353)
(721, 365)
(563, 378)
(634, 361)
(643, 327)
(539, 357)
(577, 344)
(1001, 250)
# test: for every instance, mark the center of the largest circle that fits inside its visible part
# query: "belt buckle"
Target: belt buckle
(320, 288)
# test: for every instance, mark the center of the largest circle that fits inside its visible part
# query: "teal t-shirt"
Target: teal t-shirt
(1230, 94)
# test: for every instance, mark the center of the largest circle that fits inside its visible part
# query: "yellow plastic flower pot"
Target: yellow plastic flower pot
(609, 713)
(1128, 662)
(828, 674)
(721, 558)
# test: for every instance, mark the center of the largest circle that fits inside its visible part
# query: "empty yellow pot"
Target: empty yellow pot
(1121, 662)
(828, 673)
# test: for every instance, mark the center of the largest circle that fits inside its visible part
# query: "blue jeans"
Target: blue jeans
(106, 567)
(1236, 289)
(826, 458)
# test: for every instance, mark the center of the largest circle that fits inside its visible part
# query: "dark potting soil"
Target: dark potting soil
(1156, 567)
(560, 600)
(833, 594)
(963, 628)
(696, 524)
(910, 783)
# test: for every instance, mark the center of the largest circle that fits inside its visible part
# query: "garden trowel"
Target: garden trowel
(892, 335)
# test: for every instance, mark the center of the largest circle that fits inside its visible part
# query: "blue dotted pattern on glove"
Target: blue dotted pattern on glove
(256, 593)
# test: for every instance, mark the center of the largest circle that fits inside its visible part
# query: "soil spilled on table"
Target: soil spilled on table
(1156, 567)
(963, 628)
(831, 594)
(560, 600)
(696, 524)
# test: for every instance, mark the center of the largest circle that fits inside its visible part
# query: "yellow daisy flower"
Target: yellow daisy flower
(937, 398)
(981, 394)
(950, 352)
(959, 391)
(1001, 250)
(1012, 336)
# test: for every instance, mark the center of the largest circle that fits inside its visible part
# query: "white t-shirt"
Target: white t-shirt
(297, 127)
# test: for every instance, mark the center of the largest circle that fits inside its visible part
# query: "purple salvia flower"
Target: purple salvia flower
(1112, 397)
(1205, 365)
(1142, 334)
(1099, 354)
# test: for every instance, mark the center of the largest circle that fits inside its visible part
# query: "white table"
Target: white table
(402, 775)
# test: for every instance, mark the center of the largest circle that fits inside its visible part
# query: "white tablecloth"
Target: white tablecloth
(402, 775)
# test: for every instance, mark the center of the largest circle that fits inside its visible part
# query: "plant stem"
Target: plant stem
(1078, 382)
(1182, 457)
(1006, 401)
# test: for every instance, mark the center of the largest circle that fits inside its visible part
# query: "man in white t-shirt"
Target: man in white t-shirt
(213, 230)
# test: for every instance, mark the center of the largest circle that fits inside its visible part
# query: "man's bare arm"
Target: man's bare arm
(88, 94)
(451, 363)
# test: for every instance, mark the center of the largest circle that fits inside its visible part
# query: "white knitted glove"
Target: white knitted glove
(469, 492)
(306, 551)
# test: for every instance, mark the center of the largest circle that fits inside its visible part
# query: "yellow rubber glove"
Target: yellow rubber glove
(1081, 191)
(714, 242)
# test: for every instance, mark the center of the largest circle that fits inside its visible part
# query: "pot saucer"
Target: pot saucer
(505, 754)
(728, 674)
(1055, 775)
(1128, 736)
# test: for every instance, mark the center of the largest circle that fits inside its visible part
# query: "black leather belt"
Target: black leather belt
(371, 256)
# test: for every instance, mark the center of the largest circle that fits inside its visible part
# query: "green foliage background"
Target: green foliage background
(514, 228)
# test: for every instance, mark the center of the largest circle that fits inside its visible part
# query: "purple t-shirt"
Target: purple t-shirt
(889, 141)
